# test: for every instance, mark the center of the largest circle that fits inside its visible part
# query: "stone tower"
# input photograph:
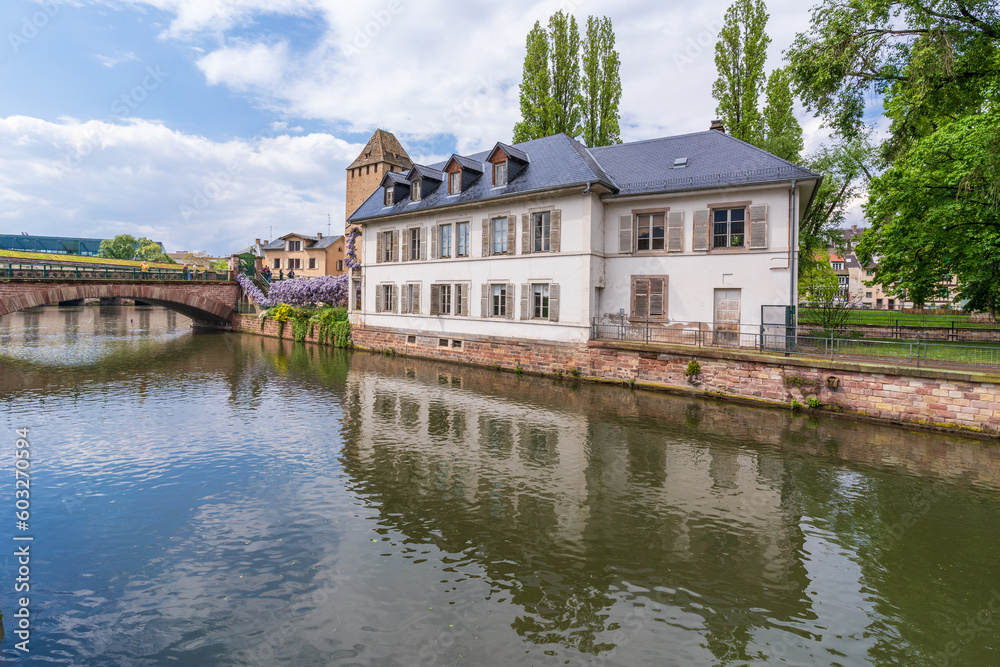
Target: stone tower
(383, 153)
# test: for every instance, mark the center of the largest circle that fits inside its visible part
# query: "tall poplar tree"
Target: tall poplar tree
(556, 96)
(565, 56)
(782, 132)
(739, 58)
(536, 89)
(602, 87)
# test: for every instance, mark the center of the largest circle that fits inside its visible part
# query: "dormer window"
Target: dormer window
(388, 195)
(499, 174)
(415, 190)
(454, 182)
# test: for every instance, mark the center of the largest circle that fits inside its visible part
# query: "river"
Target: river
(224, 499)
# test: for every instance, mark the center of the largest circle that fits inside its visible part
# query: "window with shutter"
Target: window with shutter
(484, 304)
(415, 298)
(509, 306)
(649, 231)
(462, 239)
(524, 300)
(444, 294)
(423, 244)
(395, 245)
(729, 227)
(486, 237)
(699, 235)
(541, 229)
(395, 298)
(379, 299)
(462, 299)
(625, 234)
(675, 231)
(540, 301)
(649, 298)
(525, 234)
(378, 248)
(758, 226)
(500, 238)
(553, 303)
(511, 231)
(555, 231)
(435, 299)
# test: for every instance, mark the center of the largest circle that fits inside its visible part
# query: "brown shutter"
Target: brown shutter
(435, 299)
(675, 231)
(511, 235)
(625, 234)
(423, 243)
(555, 234)
(525, 235)
(486, 237)
(415, 306)
(378, 247)
(699, 236)
(553, 303)
(378, 299)
(524, 300)
(405, 249)
(395, 245)
(395, 299)
(657, 296)
(509, 301)
(484, 306)
(435, 235)
(464, 300)
(640, 298)
(758, 226)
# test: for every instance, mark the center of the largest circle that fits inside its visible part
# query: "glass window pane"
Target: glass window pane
(721, 215)
(737, 214)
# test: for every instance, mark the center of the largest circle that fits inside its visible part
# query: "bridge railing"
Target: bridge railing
(38, 271)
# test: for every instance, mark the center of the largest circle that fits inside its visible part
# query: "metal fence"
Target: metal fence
(37, 271)
(776, 340)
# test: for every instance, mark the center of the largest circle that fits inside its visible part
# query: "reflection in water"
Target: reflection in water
(223, 500)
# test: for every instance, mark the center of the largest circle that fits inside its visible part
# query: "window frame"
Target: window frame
(650, 213)
(444, 251)
(498, 291)
(503, 232)
(387, 241)
(413, 236)
(294, 246)
(389, 195)
(541, 231)
(455, 182)
(500, 173)
(634, 301)
(540, 301)
(312, 263)
(468, 235)
(837, 266)
(729, 233)
(444, 302)
(415, 188)
(276, 263)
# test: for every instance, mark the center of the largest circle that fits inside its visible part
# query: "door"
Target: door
(727, 317)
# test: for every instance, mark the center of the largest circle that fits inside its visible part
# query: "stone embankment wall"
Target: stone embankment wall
(928, 397)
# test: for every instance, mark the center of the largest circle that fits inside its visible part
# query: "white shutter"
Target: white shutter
(625, 234)
(675, 231)
(758, 226)
(700, 233)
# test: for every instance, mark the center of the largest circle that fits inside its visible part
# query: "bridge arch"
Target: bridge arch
(210, 304)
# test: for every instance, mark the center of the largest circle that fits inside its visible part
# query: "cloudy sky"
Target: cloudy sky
(207, 123)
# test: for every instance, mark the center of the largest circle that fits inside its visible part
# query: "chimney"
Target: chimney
(256, 241)
(320, 235)
(717, 125)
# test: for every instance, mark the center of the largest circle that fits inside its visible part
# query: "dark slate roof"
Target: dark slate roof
(429, 172)
(325, 242)
(555, 162)
(396, 177)
(276, 244)
(315, 243)
(515, 153)
(714, 159)
(466, 163)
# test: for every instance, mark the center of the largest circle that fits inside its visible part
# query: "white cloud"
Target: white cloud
(112, 61)
(246, 66)
(100, 179)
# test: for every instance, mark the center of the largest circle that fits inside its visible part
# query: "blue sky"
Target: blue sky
(208, 123)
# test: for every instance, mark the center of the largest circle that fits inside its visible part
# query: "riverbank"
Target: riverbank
(924, 398)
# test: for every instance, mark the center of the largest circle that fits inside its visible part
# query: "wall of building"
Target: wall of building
(945, 399)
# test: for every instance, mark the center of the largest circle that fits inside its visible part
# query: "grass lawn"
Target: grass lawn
(891, 318)
(942, 352)
(50, 258)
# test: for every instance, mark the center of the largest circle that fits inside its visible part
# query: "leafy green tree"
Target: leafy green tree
(556, 96)
(830, 307)
(602, 87)
(739, 58)
(782, 132)
(151, 251)
(536, 89)
(931, 62)
(120, 247)
(847, 168)
(935, 214)
(565, 54)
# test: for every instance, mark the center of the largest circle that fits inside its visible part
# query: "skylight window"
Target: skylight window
(680, 163)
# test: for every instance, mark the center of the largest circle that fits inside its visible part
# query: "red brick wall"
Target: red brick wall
(917, 397)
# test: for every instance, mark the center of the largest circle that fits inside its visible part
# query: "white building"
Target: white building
(540, 240)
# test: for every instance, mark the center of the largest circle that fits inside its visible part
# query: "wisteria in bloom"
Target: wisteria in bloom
(253, 292)
(352, 260)
(328, 290)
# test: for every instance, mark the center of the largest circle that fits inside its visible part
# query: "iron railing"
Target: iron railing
(38, 271)
(782, 340)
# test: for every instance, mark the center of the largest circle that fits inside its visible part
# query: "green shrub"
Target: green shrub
(814, 402)
(575, 372)
(693, 368)
(796, 405)
(517, 368)
(342, 334)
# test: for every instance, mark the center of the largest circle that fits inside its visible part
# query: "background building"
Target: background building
(59, 245)
(307, 256)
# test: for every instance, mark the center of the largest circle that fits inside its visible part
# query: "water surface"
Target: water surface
(232, 500)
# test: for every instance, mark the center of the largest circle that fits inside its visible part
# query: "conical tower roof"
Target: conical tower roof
(383, 147)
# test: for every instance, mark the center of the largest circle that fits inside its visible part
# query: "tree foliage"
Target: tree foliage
(126, 246)
(820, 288)
(602, 87)
(562, 91)
(782, 134)
(936, 214)
(739, 58)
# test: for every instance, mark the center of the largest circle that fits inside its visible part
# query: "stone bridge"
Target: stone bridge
(209, 304)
